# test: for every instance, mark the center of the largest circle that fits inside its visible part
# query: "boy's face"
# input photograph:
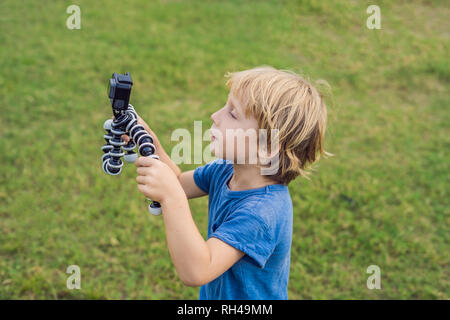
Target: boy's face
(233, 136)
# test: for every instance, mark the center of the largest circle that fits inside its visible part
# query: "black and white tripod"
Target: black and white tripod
(125, 122)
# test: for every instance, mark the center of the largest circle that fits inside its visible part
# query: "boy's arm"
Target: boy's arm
(189, 186)
(197, 261)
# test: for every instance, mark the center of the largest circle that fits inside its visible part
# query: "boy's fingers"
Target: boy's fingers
(143, 189)
(145, 161)
(142, 171)
(140, 179)
(125, 138)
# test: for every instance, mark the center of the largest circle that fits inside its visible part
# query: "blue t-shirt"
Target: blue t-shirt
(257, 222)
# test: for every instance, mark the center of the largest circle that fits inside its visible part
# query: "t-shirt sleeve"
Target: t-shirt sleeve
(203, 175)
(247, 232)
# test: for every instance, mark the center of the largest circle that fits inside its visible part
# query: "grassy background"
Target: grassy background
(382, 199)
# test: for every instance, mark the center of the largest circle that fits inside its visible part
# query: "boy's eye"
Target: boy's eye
(233, 115)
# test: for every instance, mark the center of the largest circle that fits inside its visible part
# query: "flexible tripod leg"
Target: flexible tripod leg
(146, 148)
(111, 162)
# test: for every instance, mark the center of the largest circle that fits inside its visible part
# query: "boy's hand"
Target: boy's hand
(156, 180)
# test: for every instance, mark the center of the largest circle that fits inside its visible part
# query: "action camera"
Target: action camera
(119, 90)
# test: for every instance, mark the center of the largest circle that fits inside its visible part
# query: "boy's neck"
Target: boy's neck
(246, 177)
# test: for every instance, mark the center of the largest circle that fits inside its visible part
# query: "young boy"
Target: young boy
(247, 253)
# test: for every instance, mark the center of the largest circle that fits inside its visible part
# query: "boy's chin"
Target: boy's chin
(217, 154)
(212, 149)
(215, 151)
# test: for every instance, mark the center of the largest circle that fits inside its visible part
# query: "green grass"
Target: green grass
(382, 199)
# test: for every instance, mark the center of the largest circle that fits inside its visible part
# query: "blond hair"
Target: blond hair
(283, 100)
